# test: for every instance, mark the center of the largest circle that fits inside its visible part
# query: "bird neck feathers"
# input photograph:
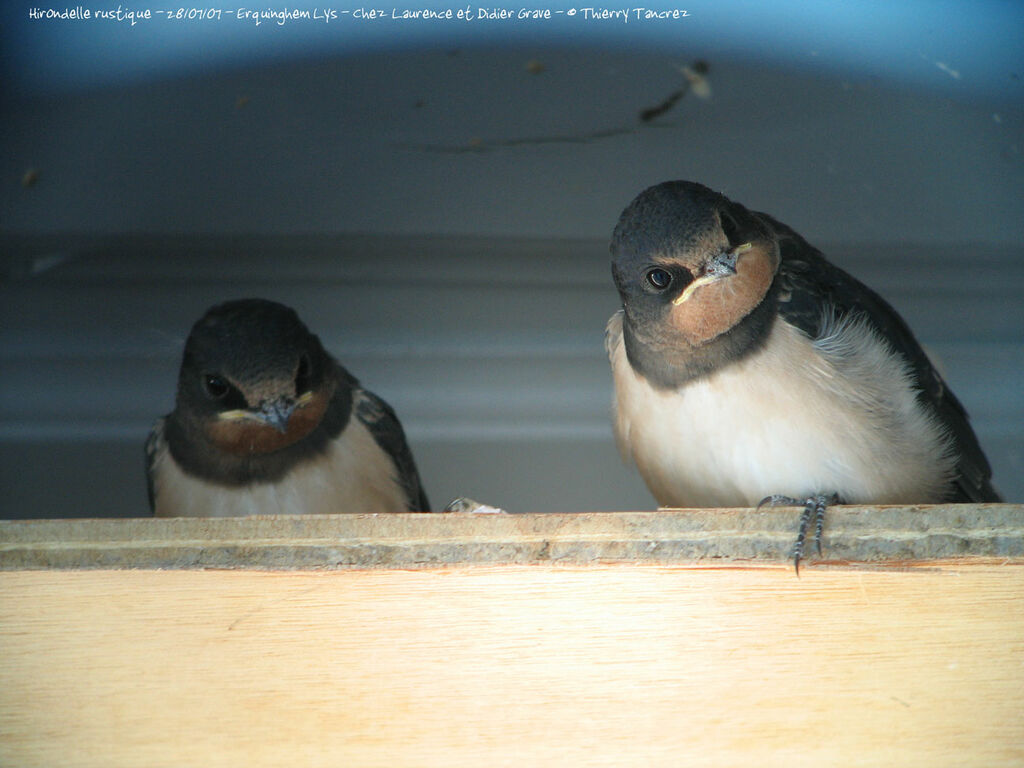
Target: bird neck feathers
(716, 308)
(191, 446)
(668, 359)
(250, 438)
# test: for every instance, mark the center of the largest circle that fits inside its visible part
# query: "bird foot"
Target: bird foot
(814, 506)
(466, 505)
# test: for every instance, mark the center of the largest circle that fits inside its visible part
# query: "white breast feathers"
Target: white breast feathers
(796, 417)
(352, 475)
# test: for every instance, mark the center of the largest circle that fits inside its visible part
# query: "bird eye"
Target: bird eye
(215, 386)
(303, 376)
(659, 278)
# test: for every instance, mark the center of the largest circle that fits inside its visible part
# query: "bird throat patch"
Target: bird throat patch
(717, 307)
(241, 437)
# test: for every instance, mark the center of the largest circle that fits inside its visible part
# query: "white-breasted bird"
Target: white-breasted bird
(747, 368)
(267, 422)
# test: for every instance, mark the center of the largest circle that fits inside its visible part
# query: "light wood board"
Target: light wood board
(670, 536)
(609, 665)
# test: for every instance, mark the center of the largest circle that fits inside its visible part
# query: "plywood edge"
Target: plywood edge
(719, 537)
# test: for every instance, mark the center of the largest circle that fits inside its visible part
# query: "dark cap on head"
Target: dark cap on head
(248, 340)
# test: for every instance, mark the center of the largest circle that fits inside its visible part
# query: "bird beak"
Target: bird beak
(717, 267)
(275, 413)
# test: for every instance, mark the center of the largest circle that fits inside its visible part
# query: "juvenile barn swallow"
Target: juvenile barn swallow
(267, 422)
(750, 370)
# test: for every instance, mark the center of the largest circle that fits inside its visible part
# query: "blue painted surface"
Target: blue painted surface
(891, 134)
(951, 46)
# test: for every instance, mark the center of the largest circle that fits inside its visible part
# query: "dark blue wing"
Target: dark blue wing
(153, 445)
(807, 282)
(379, 418)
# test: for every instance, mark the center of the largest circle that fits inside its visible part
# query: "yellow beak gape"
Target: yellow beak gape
(240, 415)
(688, 292)
(234, 415)
(710, 277)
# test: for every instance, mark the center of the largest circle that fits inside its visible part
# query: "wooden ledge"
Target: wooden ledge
(646, 639)
(874, 535)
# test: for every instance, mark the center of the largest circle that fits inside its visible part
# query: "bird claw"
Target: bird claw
(464, 504)
(813, 506)
(778, 500)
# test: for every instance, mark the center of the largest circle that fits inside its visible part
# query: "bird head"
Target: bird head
(690, 264)
(253, 379)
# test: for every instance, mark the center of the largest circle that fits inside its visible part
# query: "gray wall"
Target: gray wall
(441, 218)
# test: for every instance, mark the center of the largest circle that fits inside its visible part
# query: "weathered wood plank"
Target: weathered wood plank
(614, 665)
(862, 534)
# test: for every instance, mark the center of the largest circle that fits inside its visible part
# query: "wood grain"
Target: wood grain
(669, 536)
(617, 665)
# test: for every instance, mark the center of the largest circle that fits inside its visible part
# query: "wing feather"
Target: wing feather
(807, 282)
(380, 419)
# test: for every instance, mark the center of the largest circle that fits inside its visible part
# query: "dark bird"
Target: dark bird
(748, 369)
(267, 422)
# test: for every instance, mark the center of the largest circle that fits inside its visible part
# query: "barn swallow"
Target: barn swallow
(750, 370)
(267, 422)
